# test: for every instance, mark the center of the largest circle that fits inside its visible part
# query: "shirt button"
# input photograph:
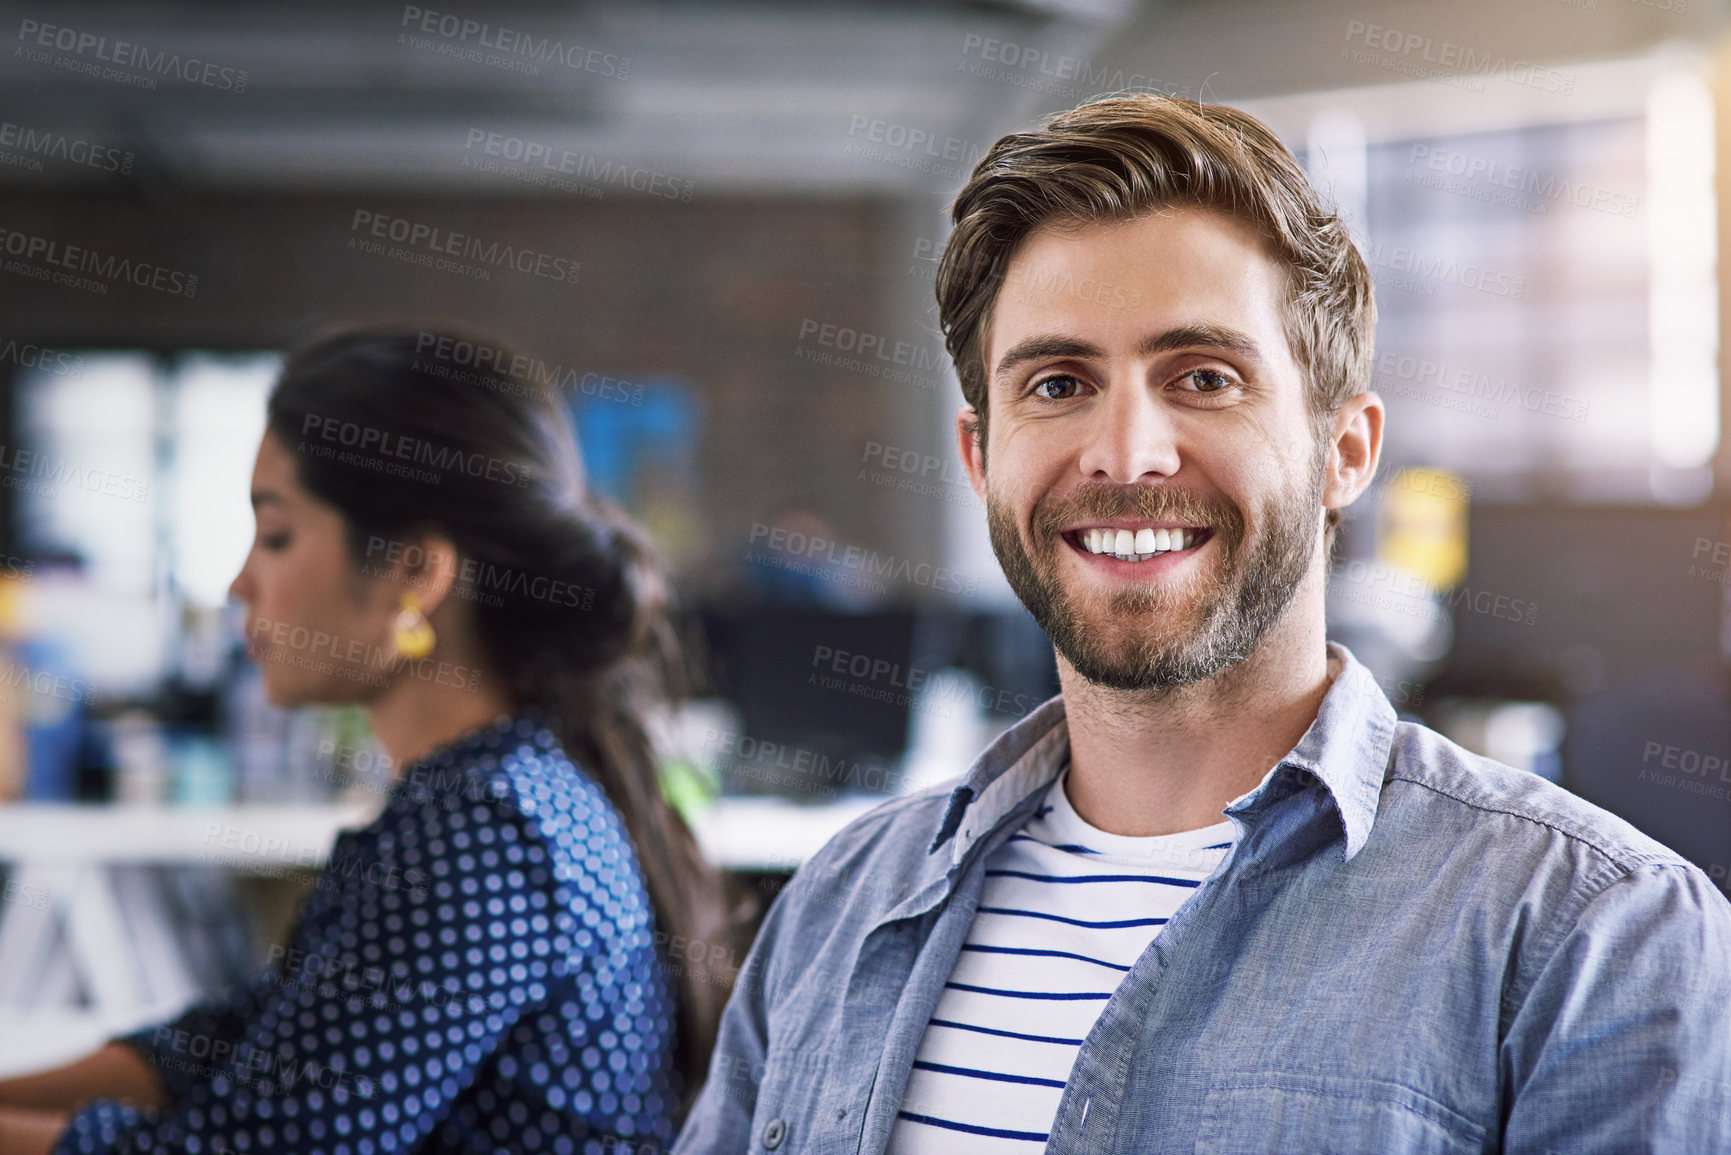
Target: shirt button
(774, 1134)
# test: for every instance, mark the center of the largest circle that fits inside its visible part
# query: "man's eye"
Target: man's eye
(274, 542)
(1209, 380)
(1063, 388)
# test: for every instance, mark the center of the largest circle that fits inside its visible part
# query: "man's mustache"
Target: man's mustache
(1102, 502)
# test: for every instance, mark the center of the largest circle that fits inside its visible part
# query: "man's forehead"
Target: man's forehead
(1125, 282)
(1172, 222)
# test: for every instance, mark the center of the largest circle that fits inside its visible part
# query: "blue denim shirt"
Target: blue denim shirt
(1411, 948)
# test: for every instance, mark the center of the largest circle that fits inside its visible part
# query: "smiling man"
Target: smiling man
(1214, 896)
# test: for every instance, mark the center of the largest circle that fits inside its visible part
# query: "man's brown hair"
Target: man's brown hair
(1120, 157)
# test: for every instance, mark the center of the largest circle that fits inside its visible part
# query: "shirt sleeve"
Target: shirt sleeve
(719, 1122)
(377, 1018)
(1623, 1042)
(219, 1017)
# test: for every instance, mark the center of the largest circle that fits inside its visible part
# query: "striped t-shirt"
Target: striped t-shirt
(1065, 911)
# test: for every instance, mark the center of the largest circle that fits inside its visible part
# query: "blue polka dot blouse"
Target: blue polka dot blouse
(474, 971)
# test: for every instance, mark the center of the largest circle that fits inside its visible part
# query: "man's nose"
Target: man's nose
(1134, 436)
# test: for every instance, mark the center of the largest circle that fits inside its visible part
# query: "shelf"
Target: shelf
(263, 838)
(737, 834)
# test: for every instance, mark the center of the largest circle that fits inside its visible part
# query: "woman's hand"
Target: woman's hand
(114, 1072)
(24, 1131)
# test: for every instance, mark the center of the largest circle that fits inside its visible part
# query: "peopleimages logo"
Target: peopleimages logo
(1416, 54)
(353, 659)
(881, 679)
(440, 243)
(1434, 381)
(38, 473)
(30, 355)
(386, 443)
(33, 145)
(868, 564)
(541, 163)
(519, 51)
(911, 147)
(1417, 270)
(128, 63)
(482, 364)
(209, 1057)
(44, 684)
(1053, 67)
(53, 260)
(1390, 587)
(862, 343)
(478, 580)
(1539, 188)
(813, 771)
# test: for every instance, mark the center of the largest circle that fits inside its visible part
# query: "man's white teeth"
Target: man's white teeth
(1138, 546)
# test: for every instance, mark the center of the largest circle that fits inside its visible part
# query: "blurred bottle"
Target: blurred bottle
(202, 772)
(43, 719)
(13, 752)
(41, 677)
(141, 759)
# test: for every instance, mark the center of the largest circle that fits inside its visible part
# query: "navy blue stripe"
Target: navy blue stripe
(1059, 996)
(1043, 953)
(969, 1072)
(1072, 847)
(1074, 921)
(1219, 846)
(1090, 877)
(994, 1132)
(1004, 1034)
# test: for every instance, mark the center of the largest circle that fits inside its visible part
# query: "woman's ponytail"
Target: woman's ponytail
(605, 722)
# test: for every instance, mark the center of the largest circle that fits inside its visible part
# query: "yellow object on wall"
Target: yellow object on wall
(1422, 525)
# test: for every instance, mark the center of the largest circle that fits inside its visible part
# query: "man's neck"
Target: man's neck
(1145, 764)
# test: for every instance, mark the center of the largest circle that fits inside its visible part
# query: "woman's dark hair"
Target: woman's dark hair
(407, 430)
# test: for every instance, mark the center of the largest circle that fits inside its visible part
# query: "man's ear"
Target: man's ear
(972, 448)
(1357, 447)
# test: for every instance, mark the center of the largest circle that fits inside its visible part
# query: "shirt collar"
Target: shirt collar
(1345, 748)
(462, 765)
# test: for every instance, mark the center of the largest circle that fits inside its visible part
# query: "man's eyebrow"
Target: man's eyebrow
(1202, 336)
(265, 497)
(1179, 337)
(1039, 348)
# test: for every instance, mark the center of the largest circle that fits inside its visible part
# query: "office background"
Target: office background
(714, 228)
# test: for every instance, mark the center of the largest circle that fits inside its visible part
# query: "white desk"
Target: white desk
(737, 834)
(47, 832)
(77, 915)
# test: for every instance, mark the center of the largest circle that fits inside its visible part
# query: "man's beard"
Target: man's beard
(1254, 586)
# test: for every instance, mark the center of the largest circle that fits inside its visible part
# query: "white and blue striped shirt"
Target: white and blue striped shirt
(1065, 911)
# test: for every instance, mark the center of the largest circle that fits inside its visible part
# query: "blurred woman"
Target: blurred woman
(478, 968)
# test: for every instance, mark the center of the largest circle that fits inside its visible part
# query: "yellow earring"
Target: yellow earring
(412, 633)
